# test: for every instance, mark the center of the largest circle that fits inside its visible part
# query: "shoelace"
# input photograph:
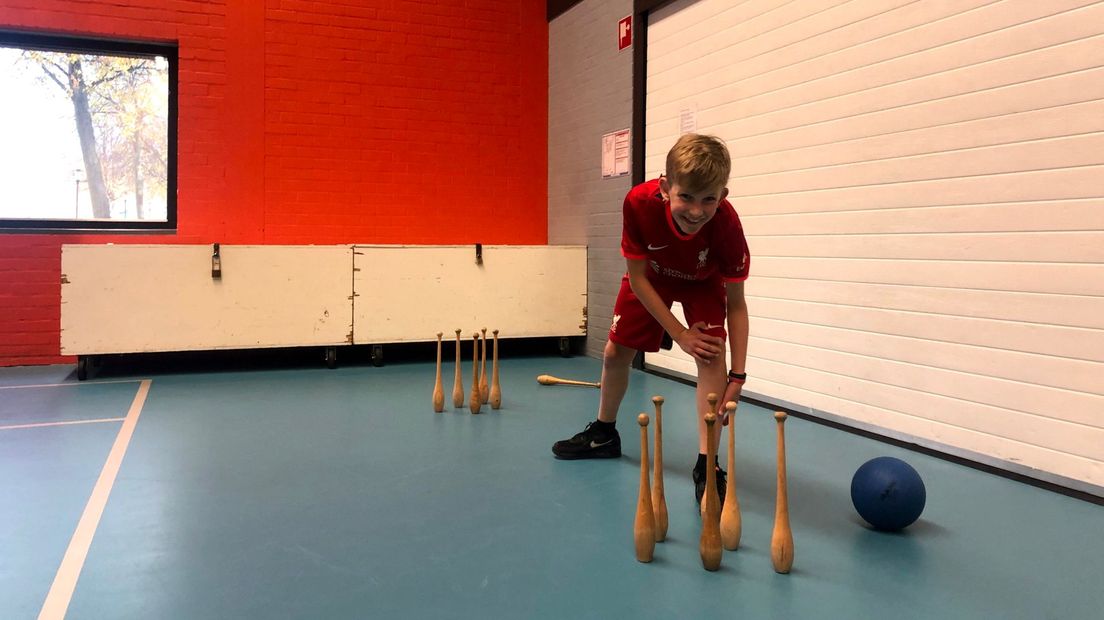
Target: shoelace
(587, 435)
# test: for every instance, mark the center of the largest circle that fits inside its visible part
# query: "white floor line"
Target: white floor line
(46, 385)
(66, 423)
(61, 591)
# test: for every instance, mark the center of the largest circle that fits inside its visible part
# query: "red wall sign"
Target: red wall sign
(624, 33)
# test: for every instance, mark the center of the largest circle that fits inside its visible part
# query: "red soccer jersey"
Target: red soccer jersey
(718, 249)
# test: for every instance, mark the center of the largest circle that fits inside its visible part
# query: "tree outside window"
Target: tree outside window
(87, 130)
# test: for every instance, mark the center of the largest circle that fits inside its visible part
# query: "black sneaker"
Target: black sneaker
(699, 484)
(590, 444)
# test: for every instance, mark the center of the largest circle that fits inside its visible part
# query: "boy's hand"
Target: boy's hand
(732, 393)
(700, 345)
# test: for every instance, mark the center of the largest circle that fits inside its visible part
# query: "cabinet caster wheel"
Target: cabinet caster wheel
(331, 357)
(377, 355)
(565, 347)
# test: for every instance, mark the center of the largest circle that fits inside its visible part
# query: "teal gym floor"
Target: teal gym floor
(305, 492)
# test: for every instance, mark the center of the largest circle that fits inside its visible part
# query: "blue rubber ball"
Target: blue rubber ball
(888, 493)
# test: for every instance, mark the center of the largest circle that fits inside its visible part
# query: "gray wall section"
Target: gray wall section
(589, 94)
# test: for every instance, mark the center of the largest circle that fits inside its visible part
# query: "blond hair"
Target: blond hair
(698, 163)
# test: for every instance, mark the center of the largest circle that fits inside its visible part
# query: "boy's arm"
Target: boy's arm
(697, 344)
(738, 329)
(737, 325)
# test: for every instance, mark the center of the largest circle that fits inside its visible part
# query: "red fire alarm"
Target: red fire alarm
(624, 33)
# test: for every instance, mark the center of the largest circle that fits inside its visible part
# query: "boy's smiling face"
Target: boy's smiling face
(691, 209)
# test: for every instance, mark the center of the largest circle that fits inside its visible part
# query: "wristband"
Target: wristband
(737, 377)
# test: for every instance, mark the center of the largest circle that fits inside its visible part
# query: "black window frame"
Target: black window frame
(67, 43)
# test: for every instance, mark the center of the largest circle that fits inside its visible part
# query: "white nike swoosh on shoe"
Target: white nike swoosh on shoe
(594, 444)
(656, 247)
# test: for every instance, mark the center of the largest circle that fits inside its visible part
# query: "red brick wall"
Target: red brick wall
(418, 121)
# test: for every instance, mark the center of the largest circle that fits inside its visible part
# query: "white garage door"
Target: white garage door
(921, 183)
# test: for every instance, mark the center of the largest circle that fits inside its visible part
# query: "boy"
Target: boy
(683, 242)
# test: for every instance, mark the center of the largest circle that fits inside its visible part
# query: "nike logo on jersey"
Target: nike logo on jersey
(710, 326)
(656, 247)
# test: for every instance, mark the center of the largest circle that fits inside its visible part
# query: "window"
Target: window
(87, 134)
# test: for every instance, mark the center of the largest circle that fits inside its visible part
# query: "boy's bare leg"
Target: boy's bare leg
(712, 378)
(616, 361)
(600, 440)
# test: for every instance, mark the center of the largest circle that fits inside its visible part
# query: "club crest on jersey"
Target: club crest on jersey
(702, 257)
(616, 318)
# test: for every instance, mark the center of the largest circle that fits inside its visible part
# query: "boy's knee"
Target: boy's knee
(716, 368)
(617, 355)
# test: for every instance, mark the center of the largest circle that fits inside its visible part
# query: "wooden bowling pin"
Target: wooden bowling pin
(659, 501)
(712, 399)
(475, 402)
(458, 384)
(730, 514)
(782, 548)
(496, 387)
(550, 380)
(644, 525)
(484, 387)
(710, 544)
(438, 389)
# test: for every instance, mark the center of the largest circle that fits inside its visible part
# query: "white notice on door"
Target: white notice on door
(688, 120)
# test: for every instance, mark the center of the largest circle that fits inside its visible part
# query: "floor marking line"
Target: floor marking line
(46, 385)
(65, 423)
(61, 591)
